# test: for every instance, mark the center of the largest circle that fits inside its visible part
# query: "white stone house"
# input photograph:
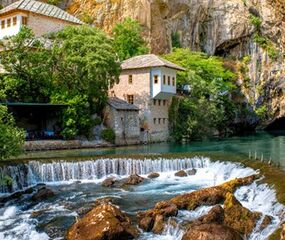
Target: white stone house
(149, 82)
(41, 17)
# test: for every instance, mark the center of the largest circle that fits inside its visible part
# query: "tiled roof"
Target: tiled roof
(40, 8)
(120, 104)
(147, 61)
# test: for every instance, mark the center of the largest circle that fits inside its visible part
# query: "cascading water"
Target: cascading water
(49, 219)
(24, 175)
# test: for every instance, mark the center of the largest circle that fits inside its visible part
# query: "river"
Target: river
(77, 184)
(266, 145)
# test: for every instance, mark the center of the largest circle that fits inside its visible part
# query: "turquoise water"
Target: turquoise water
(269, 145)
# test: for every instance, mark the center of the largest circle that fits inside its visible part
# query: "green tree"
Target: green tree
(84, 66)
(128, 41)
(11, 137)
(207, 108)
(26, 62)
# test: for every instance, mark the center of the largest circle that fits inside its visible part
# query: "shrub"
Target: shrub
(108, 135)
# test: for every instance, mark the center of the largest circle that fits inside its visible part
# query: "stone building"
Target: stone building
(123, 118)
(149, 82)
(42, 18)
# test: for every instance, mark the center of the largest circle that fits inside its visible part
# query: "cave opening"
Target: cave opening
(278, 124)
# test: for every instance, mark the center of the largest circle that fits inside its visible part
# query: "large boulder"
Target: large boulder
(153, 175)
(134, 180)
(108, 182)
(211, 232)
(154, 219)
(181, 173)
(215, 215)
(210, 196)
(239, 217)
(42, 194)
(104, 222)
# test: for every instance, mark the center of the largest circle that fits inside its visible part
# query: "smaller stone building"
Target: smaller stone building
(123, 118)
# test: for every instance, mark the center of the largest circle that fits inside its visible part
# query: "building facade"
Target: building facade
(123, 118)
(42, 18)
(149, 82)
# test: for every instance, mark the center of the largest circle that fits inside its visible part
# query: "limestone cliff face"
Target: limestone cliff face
(220, 27)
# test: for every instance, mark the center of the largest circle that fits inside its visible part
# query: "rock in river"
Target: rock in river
(211, 232)
(108, 182)
(153, 175)
(154, 219)
(134, 180)
(42, 194)
(104, 222)
(181, 173)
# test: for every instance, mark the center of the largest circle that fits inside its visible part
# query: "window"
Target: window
(3, 24)
(154, 102)
(164, 120)
(9, 22)
(164, 102)
(154, 121)
(164, 79)
(130, 99)
(159, 102)
(14, 21)
(24, 20)
(168, 82)
(130, 79)
(155, 77)
(173, 81)
(159, 120)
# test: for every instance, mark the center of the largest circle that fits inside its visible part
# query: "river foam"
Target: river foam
(16, 221)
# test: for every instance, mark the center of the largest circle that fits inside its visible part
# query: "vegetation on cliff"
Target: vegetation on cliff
(207, 107)
(127, 39)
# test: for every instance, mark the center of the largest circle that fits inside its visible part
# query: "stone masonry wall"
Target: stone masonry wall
(141, 88)
(43, 25)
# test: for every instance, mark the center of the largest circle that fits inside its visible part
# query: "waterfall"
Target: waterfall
(33, 172)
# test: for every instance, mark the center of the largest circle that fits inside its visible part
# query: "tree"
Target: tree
(207, 108)
(128, 41)
(26, 62)
(11, 137)
(84, 67)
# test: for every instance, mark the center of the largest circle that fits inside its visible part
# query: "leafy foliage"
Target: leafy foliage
(11, 137)
(128, 41)
(207, 108)
(27, 61)
(85, 66)
(108, 134)
(76, 68)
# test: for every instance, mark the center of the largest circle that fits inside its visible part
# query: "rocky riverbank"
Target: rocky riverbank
(227, 218)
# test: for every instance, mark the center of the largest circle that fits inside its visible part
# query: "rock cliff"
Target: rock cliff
(252, 31)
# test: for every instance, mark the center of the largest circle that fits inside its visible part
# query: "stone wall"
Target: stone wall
(141, 88)
(125, 123)
(43, 25)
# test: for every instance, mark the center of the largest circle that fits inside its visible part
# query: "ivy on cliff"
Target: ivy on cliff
(207, 108)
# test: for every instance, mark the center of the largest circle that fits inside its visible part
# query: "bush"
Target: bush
(108, 135)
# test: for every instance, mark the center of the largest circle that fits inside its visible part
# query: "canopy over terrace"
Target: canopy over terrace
(40, 120)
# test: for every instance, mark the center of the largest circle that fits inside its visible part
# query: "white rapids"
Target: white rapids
(16, 221)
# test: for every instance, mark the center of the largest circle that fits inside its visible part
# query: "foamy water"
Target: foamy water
(16, 221)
